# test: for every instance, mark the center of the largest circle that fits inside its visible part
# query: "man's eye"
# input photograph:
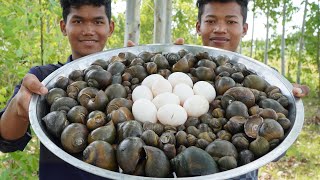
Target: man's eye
(99, 22)
(77, 21)
(209, 21)
(232, 22)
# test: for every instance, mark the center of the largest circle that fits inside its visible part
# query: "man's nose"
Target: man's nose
(220, 27)
(88, 29)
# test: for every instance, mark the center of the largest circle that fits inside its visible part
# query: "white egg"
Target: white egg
(141, 92)
(183, 91)
(165, 98)
(144, 110)
(172, 114)
(196, 105)
(161, 86)
(205, 89)
(179, 77)
(149, 80)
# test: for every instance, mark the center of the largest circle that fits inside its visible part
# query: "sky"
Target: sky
(260, 30)
(260, 20)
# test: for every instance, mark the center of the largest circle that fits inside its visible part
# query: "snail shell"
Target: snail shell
(96, 119)
(116, 68)
(93, 99)
(98, 78)
(156, 127)
(55, 122)
(101, 154)
(74, 88)
(273, 104)
(227, 163)
(243, 94)
(117, 103)
(76, 75)
(63, 104)
(245, 157)
(62, 82)
(74, 138)
(77, 114)
(252, 125)
(220, 148)
(115, 91)
(237, 108)
(100, 62)
(259, 146)
(54, 94)
(193, 161)
(150, 138)
(105, 133)
(129, 153)
(255, 82)
(157, 163)
(129, 129)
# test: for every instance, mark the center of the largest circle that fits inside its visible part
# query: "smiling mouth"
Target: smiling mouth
(219, 39)
(88, 42)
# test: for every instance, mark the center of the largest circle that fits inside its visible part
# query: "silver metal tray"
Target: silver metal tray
(37, 109)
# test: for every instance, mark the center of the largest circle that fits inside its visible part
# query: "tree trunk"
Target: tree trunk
(256, 46)
(252, 41)
(159, 21)
(132, 30)
(41, 34)
(301, 43)
(318, 52)
(168, 21)
(283, 60)
(267, 38)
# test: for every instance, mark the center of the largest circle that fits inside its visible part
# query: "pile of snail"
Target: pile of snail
(101, 113)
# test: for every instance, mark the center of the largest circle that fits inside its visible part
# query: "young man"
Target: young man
(222, 24)
(88, 25)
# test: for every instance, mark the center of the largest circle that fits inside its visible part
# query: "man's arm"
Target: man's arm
(14, 121)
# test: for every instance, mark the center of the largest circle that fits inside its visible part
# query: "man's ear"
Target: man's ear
(245, 29)
(63, 27)
(111, 28)
(198, 28)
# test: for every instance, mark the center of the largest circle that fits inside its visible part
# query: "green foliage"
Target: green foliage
(146, 20)
(3, 99)
(117, 38)
(21, 164)
(184, 20)
(310, 74)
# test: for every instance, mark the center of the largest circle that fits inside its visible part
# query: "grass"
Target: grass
(302, 160)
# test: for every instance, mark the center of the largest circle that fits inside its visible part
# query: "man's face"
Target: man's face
(222, 25)
(87, 29)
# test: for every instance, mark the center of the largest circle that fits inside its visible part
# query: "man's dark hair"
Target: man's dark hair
(67, 4)
(243, 4)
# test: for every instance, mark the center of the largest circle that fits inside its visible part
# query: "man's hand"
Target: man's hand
(300, 91)
(130, 43)
(179, 41)
(30, 85)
